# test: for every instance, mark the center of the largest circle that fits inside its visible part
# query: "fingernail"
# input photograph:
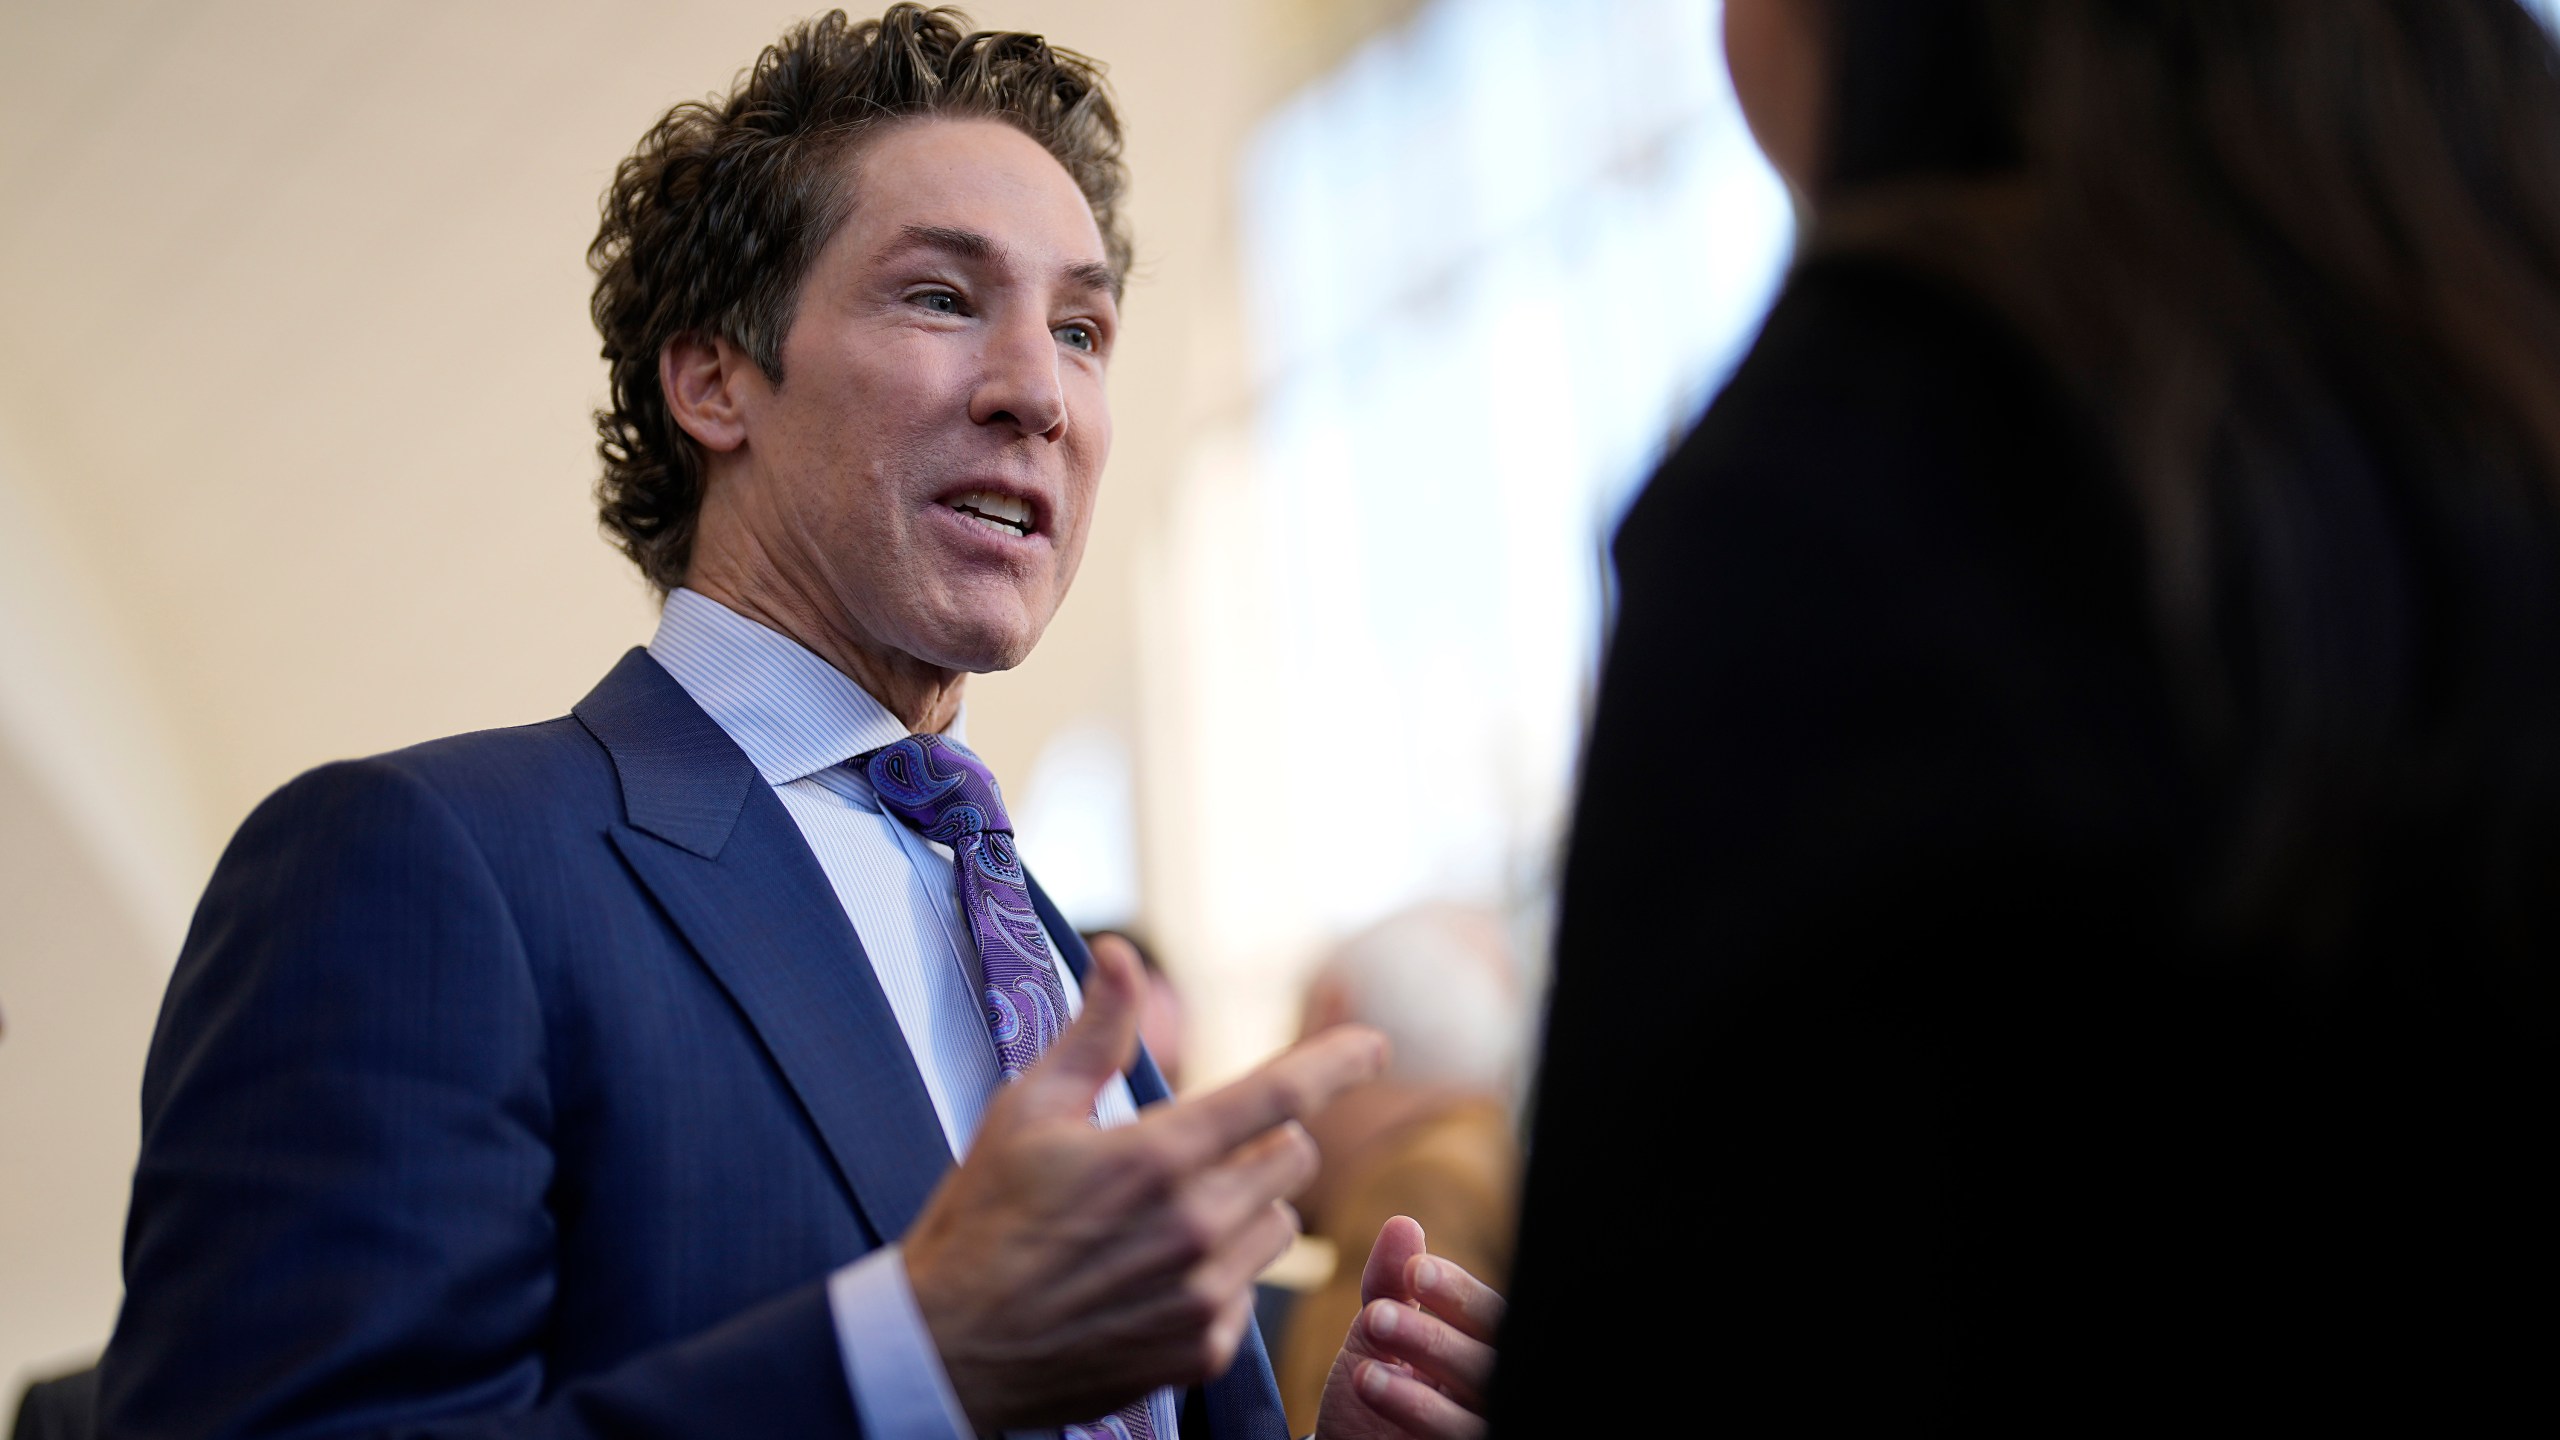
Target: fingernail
(1426, 1275)
(1382, 1318)
(1373, 1380)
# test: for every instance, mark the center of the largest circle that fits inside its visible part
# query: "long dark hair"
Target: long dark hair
(2300, 262)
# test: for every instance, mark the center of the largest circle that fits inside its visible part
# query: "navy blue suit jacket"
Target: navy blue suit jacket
(528, 1082)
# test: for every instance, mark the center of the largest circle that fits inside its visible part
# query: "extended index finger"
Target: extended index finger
(1292, 1085)
(1448, 1291)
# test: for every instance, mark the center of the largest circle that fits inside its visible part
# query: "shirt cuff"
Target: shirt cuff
(899, 1388)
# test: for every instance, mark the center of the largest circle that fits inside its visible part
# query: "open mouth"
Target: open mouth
(1001, 513)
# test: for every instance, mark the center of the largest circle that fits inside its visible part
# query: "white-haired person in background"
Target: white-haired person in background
(1435, 1138)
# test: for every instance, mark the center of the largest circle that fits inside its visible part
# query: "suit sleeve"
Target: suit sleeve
(340, 1220)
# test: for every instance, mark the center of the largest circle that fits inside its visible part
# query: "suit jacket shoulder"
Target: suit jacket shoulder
(446, 1131)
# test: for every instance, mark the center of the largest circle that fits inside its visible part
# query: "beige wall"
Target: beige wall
(78, 985)
(294, 456)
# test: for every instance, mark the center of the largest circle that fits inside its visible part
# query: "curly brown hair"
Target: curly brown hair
(711, 224)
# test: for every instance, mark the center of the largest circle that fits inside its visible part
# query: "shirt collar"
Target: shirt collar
(791, 712)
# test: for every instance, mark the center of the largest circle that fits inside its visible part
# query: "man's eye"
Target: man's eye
(1079, 336)
(941, 302)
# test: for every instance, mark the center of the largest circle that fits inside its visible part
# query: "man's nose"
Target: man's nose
(1020, 385)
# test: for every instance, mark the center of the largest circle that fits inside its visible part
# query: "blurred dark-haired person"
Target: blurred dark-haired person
(2069, 849)
(1163, 1023)
(605, 1076)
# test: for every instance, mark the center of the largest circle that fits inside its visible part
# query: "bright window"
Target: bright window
(1495, 266)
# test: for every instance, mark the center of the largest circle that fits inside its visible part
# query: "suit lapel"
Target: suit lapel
(712, 844)
(724, 859)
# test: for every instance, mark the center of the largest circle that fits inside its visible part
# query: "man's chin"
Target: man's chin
(987, 648)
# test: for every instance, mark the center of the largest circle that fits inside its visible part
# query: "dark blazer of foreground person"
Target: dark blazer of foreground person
(2083, 975)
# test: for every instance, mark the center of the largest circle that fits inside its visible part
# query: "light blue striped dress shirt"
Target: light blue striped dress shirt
(799, 719)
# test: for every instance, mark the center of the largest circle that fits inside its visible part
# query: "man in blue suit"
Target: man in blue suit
(605, 1076)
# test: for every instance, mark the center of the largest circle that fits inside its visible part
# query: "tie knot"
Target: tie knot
(937, 786)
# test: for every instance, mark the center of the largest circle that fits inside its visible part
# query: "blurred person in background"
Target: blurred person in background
(1433, 1139)
(1162, 1024)
(2060, 924)
(606, 1076)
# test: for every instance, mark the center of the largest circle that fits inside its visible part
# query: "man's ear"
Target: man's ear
(702, 377)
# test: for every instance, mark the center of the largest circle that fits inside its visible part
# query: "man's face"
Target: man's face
(926, 471)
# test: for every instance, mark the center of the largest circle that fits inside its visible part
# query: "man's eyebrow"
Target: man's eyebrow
(1097, 277)
(1090, 275)
(968, 244)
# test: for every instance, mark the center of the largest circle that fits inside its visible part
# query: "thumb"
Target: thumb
(1399, 1240)
(1101, 1043)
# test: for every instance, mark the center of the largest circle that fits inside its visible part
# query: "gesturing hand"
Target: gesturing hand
(1064, 1270)
(1420, 1357)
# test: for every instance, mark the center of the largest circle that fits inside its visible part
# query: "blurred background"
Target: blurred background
(295, 457)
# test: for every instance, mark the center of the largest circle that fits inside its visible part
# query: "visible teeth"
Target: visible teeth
(1003, 512)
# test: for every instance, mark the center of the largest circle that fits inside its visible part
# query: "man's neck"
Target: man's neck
(925, 698)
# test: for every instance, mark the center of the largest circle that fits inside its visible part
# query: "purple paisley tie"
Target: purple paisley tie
(947, 794)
